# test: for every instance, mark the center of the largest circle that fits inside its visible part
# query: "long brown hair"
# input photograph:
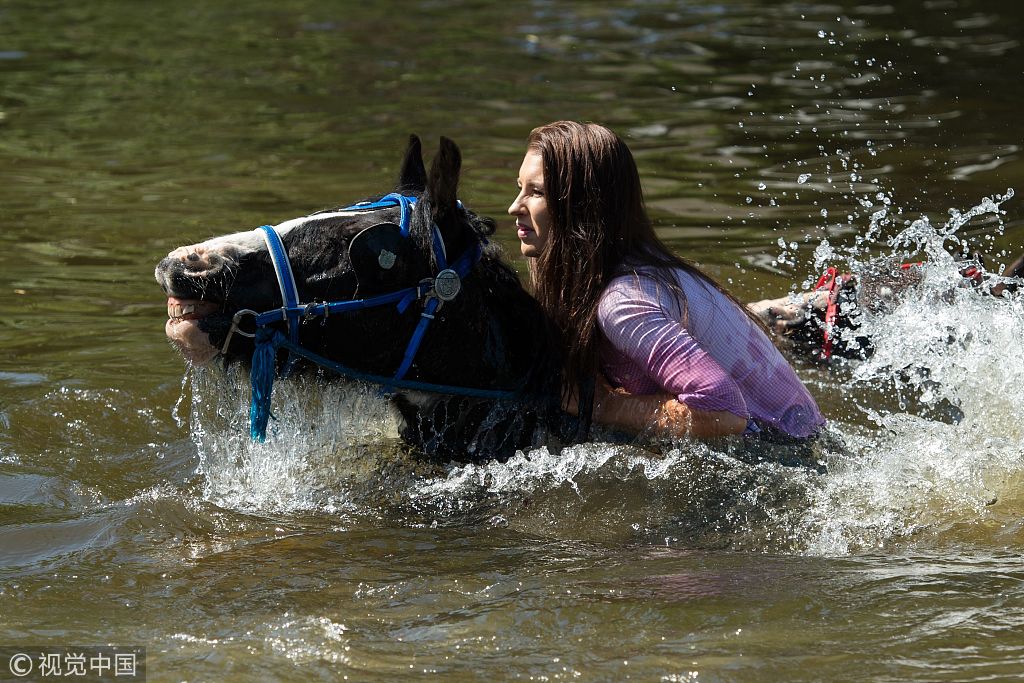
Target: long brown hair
(599, 229)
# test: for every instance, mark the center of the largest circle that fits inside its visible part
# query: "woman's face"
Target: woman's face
(530, 208)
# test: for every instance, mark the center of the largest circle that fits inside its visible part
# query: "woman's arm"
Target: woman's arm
(697, 397)
(661, 412)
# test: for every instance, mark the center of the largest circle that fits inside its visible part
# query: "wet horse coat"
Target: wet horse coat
(491, 336)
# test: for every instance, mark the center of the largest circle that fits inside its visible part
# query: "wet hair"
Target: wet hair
(599, 230)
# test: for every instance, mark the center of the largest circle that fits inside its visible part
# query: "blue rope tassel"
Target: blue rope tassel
(262, 378)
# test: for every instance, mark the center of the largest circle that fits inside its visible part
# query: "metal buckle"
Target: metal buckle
(236, 329)
(424, 288)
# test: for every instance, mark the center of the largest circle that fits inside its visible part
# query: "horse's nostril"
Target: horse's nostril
(193, 256)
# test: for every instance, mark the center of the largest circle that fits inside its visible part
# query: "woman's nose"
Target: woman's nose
(516, 207)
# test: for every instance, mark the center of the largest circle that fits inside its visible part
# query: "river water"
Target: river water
(773, 141)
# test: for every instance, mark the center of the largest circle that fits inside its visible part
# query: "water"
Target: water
(134, 510)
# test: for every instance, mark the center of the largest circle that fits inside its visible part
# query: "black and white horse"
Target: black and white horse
(485, 334)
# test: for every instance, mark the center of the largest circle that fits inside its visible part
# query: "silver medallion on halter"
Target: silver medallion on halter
(447, 285)
(386, 259)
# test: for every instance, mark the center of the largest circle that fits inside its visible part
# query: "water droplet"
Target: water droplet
(762, 186)
(804, 177)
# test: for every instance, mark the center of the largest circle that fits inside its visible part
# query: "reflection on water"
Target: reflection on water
(772, 142)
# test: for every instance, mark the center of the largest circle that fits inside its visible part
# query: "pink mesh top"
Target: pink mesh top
(719, 360)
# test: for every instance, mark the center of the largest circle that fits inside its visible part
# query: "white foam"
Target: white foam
(933, 445)
(315, 450)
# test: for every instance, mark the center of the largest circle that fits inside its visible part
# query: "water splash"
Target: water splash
(946, 444)
(186, 382)
(690, 493)
(929, 450)
(327, 440)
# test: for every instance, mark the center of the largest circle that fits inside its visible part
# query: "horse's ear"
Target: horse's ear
(443, 181)
(413, 176)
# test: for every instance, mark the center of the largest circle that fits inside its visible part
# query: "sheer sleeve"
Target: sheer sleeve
(637, 323)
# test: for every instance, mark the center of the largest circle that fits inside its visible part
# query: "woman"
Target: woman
(682, 354)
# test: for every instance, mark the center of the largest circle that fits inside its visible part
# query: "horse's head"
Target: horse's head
(335, 255)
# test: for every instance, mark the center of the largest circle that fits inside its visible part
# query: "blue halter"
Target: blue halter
(443, 287)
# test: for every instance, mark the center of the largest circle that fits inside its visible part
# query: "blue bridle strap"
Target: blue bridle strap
(278, 341)
(462, 268)
(291, 311)
(402, 298)
(285, 282)
(268, 341)
(404, 203)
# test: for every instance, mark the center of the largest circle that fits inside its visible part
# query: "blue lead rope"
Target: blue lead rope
(268, 341)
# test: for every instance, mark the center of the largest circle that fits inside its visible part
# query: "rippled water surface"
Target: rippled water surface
(773, 141)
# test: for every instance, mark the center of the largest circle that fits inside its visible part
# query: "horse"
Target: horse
(403, 290)
(826, 321)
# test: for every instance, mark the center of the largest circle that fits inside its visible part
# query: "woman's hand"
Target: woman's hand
(677, 419)
(790, 312)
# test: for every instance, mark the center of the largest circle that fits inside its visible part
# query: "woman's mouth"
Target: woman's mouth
(523, 231)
